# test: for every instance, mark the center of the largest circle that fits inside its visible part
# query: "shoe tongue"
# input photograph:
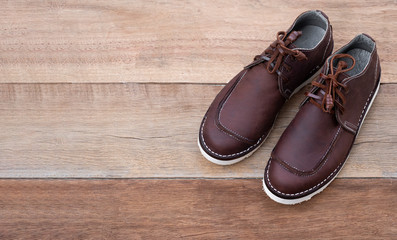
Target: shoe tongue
(342, 76)
(343, 62)
(292, 37)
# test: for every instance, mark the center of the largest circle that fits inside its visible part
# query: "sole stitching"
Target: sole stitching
(294, 194)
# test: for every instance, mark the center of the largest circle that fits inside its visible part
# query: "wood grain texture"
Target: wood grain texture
(117, 89)
(150, 130)
(167, 41)
(192, 209)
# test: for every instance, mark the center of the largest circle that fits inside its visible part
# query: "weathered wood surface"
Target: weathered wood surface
(192, 209)
(143, 74)
(150, 130)
(167, 41)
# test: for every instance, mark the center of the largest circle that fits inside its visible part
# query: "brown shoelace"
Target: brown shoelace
(330, 88)
(278, 51)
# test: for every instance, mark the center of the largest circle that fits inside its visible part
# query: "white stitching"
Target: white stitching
(365, 106)
(347, 80)
(229, 155)
(294, 194)
(376, 66)
(220, 111)
(370, 95)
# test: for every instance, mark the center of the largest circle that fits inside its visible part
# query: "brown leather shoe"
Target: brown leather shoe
(314, 147)
(242, 114)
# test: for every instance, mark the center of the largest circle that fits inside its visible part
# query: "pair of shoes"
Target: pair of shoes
(314, 147)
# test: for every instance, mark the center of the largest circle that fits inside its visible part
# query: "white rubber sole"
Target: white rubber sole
(227, 162)
(308, 197)
(286, 201)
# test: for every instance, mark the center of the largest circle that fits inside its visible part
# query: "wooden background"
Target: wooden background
(100, 105)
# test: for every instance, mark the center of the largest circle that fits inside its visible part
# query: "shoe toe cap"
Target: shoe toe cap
(283, 183)
(221, 145)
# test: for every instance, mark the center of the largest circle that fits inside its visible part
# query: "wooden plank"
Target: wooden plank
(192, 209)
(150, 130)
(166, 41)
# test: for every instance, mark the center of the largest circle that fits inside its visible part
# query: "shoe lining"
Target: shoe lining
(311, 36)
(313, 26)
(360, 48)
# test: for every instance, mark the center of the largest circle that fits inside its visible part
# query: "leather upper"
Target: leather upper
(316, 144)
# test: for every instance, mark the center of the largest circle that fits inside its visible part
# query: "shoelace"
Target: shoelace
(330, 88)
(278, 51)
